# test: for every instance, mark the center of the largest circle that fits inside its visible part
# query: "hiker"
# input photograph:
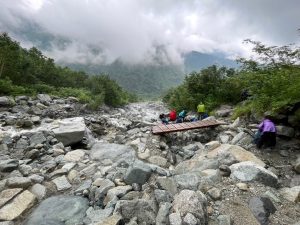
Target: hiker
(201, 111)
(164, 119)
(266, 135)
(173, 115)
(181, 116)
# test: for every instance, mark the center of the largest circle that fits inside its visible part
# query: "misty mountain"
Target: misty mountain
(147, 80)
(195, 61)
(144, 79)
(152, 80)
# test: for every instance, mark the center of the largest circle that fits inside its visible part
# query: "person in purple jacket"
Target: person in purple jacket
(268, 133)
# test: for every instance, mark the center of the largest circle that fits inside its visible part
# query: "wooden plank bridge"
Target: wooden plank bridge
(162, 128)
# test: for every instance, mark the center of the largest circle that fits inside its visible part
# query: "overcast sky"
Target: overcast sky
(132, 29)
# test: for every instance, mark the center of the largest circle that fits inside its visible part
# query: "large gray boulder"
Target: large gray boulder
(144, 210)
(187, 181)
(285, 131)
(107, 153)
(59, 210)
(139, 172)
(44, 98)
(6, 101)
(230, 154)
(261, 209)
(194, 202)
(250, 171)
(70, 131)
(196, 164)
(8, 165)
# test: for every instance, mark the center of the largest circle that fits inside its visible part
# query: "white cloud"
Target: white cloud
(132, 29)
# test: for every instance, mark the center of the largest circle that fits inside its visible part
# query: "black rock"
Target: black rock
(261, 208)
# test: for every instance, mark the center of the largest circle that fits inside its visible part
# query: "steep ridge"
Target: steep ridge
(63, 164)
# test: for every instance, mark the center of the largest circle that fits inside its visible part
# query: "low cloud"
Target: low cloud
(135, 31)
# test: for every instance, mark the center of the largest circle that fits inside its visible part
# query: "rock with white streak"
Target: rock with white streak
(19, 205)
(8, 194)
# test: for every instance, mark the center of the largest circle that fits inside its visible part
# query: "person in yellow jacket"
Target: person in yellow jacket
(201, 111)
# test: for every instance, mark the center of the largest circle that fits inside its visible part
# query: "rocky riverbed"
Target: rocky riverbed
(61, 164)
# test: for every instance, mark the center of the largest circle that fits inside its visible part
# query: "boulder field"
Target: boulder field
(65, 165)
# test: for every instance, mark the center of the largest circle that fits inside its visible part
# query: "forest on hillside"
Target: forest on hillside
(28, 72)
(271, 81)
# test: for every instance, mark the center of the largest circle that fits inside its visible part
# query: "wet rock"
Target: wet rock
(188, 201)
(249, 171)
(59, 210)
(144, 210)
(18, 206)
(291, 194)
(8, 194)
(8, 165)
(18, 182)
(261, 209)
(62, 183)
(138, 172)
(70, 130)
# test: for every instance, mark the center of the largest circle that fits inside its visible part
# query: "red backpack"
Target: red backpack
(173, 115)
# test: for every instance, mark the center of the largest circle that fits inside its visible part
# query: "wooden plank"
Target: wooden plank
(160, 129)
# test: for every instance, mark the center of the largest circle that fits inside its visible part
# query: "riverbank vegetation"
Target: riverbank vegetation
(28, 72)
(269, 82)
